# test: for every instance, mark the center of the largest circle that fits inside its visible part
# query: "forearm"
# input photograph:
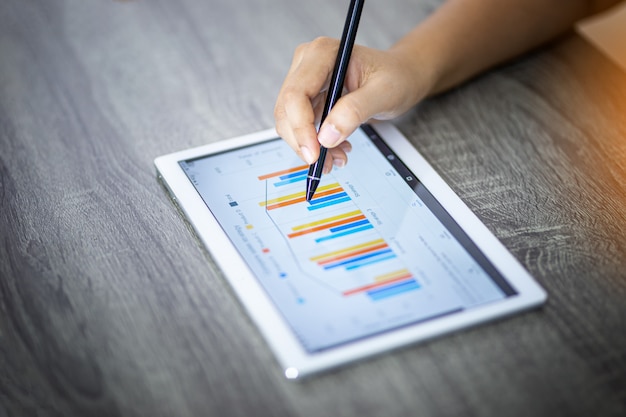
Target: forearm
(464, 37)
(459, 40)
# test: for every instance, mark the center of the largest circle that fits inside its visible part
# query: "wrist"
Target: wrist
(424, 61)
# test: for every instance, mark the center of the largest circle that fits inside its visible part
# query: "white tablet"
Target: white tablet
(384, 255)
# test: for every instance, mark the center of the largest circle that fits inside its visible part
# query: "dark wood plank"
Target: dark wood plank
(110, 306)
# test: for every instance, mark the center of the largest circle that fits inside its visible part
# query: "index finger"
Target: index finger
(294, 111)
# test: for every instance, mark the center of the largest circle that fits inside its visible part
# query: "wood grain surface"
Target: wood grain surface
(109, 306)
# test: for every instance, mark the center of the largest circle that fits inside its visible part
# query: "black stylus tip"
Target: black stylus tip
(311, 186)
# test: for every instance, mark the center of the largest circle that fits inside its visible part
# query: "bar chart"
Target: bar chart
(351, 255)
(365, 255)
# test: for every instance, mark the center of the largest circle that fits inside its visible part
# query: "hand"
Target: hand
(380, 85)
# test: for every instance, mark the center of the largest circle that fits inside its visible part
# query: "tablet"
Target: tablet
(384, 255)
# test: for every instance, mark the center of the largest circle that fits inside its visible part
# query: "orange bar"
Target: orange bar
(281, 199)
(329, 192)
(324, 221)
(376, 285)
(391, 275)
(350, 249)
(284, 171)
(326, 226)
(287, 203)
(295, 195)
(302, 199)
(351, 254)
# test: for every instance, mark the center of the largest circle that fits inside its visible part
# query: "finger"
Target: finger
(328, 163)
(345, 147)
(311, 67)
(300, 119)
(318, 106)
(295, 122)
(283, 128)
(372, 100)
(337, 156)
(296, 106)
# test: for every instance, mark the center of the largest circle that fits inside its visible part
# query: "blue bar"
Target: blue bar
(370, 261)
(294, 174)
(347, 232)
(358, 258)
(329, 203)
(392, 290)
(290, 180)
(328, 198)
(349, 225)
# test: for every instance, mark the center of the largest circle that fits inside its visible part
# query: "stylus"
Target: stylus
(336, 86)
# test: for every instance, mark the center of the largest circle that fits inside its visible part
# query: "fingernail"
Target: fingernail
(339, 163)
(329, 135)
(307, 155)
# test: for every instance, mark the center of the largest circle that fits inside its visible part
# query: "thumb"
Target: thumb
(352, 110)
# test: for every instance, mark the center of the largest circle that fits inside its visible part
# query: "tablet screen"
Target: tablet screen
(373, 251)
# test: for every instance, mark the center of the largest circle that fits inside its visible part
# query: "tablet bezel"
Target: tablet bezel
(292, 357)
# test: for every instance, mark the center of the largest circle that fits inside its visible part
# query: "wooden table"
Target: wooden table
(109, 306)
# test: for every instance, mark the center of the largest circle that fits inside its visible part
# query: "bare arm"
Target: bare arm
(459, 40)
(464, 37)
